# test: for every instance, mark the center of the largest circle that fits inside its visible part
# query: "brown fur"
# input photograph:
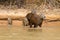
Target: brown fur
(34, 19)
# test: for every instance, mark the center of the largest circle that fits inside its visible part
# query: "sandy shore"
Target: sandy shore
(49, 31)
(19, 23)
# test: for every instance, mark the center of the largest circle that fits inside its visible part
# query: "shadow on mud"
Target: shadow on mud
(48, 20)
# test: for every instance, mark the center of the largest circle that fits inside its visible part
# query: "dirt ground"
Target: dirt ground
(16, 31)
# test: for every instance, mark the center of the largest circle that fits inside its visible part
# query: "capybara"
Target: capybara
(34, 19)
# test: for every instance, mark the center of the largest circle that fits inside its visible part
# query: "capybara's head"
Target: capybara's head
(28, 16)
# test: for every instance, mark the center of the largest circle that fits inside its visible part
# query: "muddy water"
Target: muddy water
(49, 31)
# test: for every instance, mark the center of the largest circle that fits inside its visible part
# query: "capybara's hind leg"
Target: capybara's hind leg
(40, 25)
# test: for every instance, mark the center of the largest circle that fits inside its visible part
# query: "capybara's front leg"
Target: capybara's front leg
(30, 25)
(35, 26)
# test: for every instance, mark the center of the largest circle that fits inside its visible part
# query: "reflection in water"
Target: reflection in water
(9, 26)
(19, 33)
(34, 30)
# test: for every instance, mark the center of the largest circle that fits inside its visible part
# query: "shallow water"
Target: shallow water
(49, 31)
